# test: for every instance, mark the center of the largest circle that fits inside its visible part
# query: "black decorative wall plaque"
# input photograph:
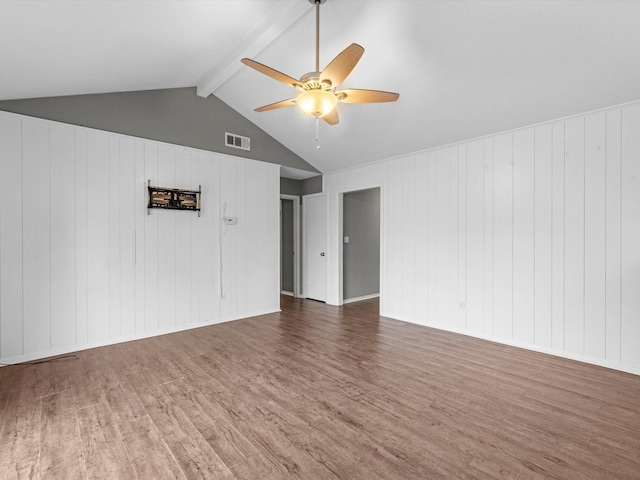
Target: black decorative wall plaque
(174, 198)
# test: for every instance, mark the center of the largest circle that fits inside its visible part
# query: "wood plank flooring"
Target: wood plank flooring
(317, 392)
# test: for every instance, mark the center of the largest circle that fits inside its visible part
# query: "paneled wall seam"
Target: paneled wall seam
(484, 229)
(493, 237)
(75, 238)
(564, 237)
(620, 213)
(512, 232)
(534, 235)
(606, 236)
(50, 236)
(110, 156)
(584, 233)
(22, 226)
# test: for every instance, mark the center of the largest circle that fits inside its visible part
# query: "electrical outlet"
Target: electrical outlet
(463, 305)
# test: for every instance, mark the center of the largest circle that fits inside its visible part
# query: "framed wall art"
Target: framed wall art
(173, 198)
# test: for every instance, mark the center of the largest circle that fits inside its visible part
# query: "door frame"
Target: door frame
(335, 207)
(297, 291)
(341, 195)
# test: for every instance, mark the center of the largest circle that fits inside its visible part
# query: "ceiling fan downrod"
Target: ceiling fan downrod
(317, 3)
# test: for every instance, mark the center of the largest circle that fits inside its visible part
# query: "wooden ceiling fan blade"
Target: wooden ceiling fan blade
(341, 66)
(270, 72)
(332, 117)
(273, 106)
(366, 96)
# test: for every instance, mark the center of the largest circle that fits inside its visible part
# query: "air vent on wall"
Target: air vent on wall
(237, 141)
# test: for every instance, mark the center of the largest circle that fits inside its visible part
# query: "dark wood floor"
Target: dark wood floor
(317, 392)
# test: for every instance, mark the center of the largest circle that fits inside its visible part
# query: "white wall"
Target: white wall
(530, 237)
(81, 262)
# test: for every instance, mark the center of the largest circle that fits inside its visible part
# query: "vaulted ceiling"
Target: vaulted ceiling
(463, 68)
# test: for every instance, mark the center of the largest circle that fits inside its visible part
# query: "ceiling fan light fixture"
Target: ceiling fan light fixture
(317, 95)
(317, 102)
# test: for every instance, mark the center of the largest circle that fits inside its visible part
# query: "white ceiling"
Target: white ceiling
(463, 68)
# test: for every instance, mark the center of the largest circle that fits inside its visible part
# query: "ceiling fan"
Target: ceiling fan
(317, 90)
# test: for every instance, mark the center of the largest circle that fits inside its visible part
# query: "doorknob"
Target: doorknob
(322, 254)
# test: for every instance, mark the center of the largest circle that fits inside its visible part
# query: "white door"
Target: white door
(315, 241)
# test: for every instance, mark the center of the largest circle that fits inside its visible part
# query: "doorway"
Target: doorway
(290, 245)
(361, 245)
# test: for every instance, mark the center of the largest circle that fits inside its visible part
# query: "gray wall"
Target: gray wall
(176, 116)
(361, 259)
(312, 185)
(286, 253)
(307, 186)
(289, 186)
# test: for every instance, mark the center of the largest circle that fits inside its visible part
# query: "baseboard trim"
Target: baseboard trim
(359, 299)
(633, 369)
(54, 352)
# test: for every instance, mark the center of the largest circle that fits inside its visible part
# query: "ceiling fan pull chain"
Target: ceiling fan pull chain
(317, 133)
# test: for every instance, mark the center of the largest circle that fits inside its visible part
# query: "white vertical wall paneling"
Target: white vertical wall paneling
(543, 177)
(441, 241)
(127, 206)
(141, 198)
(271, 267)
(395, 244)
(184, 236)
(98, 236)
(151, 252)
(421, 237)
(36, 236)
(407, 239)
(462, 239)
(451, 237)
(11, 279)
(594, 236)
(228, 252)
(214, 226)
(474, 231)
(209, 265)
(487, 266)
(82, 238)
(630, 228)
(385, 252)
(557, 237)
(503, 237)
(431, 246)
(574, 235)
(80, 257)
(196, 233)
(239, 300)
(561, 229)
(266, 223)
(63, 236)
(612, 235)
(523, 235)
(168, 238)
(253, 255)
(114, 238)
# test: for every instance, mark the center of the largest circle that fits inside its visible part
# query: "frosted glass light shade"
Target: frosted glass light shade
(317, 103)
